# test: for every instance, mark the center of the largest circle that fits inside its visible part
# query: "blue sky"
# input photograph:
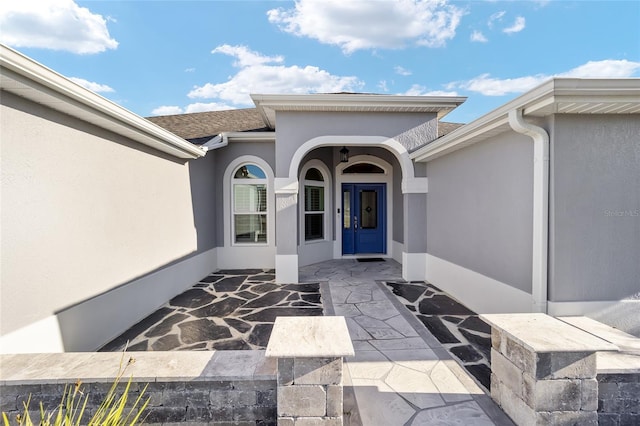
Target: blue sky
(168, 57)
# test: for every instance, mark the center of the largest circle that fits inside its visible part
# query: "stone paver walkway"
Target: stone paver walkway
(400, 374)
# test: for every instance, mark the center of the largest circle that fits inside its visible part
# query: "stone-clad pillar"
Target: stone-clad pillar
(543, 371)
(310, 353)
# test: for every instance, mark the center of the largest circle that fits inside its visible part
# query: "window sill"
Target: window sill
(319, 240)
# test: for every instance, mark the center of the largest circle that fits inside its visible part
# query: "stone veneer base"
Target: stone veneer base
(228, 387)
(309, 354)
(543, 370)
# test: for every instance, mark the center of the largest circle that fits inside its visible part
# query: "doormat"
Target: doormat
(370, 259)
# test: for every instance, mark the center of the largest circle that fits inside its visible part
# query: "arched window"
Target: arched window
(315, 201)
(362, 168)
(249, 204)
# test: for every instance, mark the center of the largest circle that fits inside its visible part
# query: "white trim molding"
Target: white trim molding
(268, 104)
(42, 336)
(416, 185)
(390, 144)
(480, 293)
(286, 185)
(414, 266)
(286, 268)
(396, 249)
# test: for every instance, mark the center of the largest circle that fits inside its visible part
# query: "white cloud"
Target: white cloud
(94, 87)
(382, 85)
(245, 57)
(195, 107)
(362, 24)
(609, 68)
(478, 36)
(258, 75)
(414, 90)
(517, 26)
(495, 17)
(542, 3)
(490, 86)
(189, 69)
(55, 25)
(402, 71)
(418, 90)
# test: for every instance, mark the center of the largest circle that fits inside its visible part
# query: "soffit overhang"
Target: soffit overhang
(268, 105)
(31, 80)
(556, 96)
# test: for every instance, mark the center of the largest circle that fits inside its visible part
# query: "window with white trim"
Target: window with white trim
(249, 203)
(314, 205)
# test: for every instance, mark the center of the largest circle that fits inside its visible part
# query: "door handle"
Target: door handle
(355, 223)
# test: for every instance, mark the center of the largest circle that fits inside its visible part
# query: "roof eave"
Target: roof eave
(32, 80)
(541, 101)
(268, 104)
(250, 136)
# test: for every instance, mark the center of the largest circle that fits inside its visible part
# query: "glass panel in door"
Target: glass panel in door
(368, 209)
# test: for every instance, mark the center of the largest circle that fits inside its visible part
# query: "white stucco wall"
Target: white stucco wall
(84, 211)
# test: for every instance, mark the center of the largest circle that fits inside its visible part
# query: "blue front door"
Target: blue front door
(364, 218)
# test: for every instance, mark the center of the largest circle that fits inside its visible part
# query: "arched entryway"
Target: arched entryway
(376, 187)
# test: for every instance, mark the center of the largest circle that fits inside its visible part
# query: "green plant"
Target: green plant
(112, 410)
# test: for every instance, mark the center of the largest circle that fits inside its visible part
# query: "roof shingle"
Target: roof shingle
(199, 127)
(203, 125)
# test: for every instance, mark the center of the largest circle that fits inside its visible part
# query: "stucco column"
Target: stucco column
(286, 231)
(415, 236)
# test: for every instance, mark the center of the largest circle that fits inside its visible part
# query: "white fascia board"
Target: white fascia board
(268, 104)
(224, 138)
(250, 136)
(27, 78)
(355, 100)
(540, 101)
(457, 139)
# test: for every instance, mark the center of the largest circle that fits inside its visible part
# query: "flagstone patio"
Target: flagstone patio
(227, 310)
